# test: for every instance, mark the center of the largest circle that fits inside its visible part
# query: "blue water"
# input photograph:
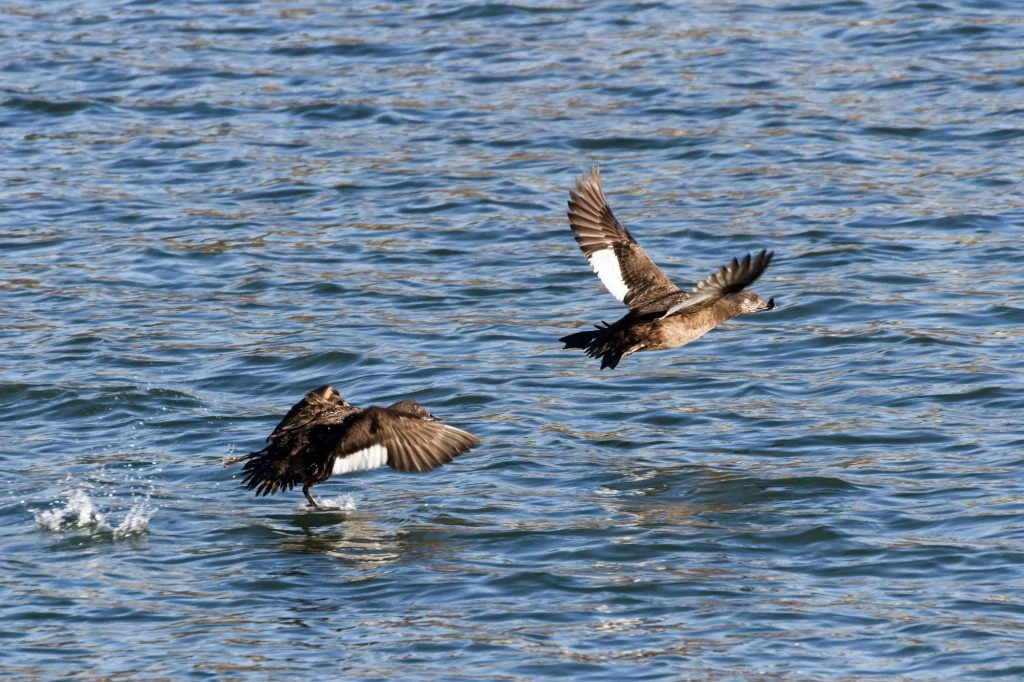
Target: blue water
(209, 208)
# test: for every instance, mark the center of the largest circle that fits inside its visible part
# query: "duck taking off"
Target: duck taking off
(323, 435)
(661, 316)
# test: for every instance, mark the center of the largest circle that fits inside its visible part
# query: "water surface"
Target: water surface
(208, 209)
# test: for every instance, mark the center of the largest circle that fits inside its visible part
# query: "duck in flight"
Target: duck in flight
(661, 316)
(323, 435)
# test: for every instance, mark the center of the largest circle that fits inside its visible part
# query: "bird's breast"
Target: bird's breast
(676, 331)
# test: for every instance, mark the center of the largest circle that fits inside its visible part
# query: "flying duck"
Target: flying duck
(323, 435)
(661, 316)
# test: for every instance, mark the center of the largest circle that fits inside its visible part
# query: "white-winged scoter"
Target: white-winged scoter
(661, 316)
(323, 435)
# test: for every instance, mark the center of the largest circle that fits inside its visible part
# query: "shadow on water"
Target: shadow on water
(361, 541)
(693, 493)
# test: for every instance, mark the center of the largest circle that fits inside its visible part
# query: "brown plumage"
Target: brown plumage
(661, 316)
(322, 434)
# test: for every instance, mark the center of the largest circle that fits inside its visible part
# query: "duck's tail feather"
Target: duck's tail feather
(601, 342)
(580, 340)
(263, 472)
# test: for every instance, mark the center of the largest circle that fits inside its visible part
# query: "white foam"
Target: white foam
(136, 521)
(79, 505)
(372, 457)
(79, 512)
(606, 265)
(342, 502)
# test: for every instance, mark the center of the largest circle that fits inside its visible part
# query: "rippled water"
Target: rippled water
(209, 208)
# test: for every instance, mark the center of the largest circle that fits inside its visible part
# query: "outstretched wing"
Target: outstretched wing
(730, 278)
(624, 268)
(382, 436)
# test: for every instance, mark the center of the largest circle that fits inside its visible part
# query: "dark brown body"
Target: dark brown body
(649, 332)
(637, 332)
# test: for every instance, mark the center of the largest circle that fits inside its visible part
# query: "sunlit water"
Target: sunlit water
(210, 208)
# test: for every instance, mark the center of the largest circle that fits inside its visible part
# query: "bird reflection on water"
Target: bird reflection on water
(357, 538)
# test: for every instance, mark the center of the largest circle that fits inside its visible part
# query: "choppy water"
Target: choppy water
(209, 208)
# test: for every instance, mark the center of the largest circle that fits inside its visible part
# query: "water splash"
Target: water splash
(79, 512)
(340, 503)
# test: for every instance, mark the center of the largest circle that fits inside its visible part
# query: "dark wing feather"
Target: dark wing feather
(414, 444)
(625, 269)
(730, 278)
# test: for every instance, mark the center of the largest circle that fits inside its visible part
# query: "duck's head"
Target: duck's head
(325, 394)
(747, 302)
(413, 409)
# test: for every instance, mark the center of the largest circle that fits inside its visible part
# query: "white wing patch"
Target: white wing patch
(606, 265)
(372, 457)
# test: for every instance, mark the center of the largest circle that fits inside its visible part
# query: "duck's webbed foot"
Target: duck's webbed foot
(309, 496)
(236, 460)
(313, 502)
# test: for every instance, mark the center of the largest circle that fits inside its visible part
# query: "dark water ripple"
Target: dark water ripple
(209, 208)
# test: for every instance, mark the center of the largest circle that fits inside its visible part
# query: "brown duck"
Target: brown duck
(661, 316)
(323, 435)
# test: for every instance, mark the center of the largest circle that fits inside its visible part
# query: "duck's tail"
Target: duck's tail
(602, 342)
(263, 472)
